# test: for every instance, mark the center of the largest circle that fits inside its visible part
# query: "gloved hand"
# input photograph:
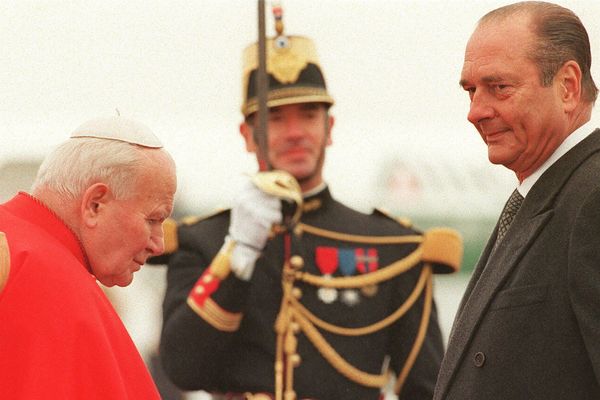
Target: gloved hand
(252, 216)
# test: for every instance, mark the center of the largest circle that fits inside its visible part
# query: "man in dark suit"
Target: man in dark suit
(528, 326)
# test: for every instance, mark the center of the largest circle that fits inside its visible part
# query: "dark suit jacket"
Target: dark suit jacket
(528, 326)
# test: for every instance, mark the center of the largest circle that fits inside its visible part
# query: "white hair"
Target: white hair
(78, 163)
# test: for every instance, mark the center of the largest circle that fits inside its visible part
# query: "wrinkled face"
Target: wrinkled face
(298, 135)
(521, 121)
(128, 231)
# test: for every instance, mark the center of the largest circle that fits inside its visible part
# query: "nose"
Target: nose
(293, 127)
(156, 244)
(480, 110)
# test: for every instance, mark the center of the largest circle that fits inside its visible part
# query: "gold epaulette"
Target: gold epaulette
(444, 248)
(441, 246)
(4, 261)
(170, 236)
(405, 222)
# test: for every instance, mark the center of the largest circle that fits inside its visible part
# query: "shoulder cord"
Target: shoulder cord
(346, 237)
(423, 325)
(294, 316)
(366, 330)
(307, 324)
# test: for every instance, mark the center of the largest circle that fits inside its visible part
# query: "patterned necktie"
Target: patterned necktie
(508, 214)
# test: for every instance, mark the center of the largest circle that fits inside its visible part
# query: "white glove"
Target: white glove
(252, 217)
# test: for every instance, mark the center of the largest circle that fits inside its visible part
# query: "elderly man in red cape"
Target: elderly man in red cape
(94, 214)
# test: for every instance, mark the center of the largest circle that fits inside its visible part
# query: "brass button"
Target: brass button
(296, 262)
(296, 360)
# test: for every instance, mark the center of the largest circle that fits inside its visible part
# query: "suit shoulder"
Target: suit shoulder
(195, 224)
(384, 214)
(176, 232)
(191, 220)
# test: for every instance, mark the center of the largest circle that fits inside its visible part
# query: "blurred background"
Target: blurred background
(401, 140)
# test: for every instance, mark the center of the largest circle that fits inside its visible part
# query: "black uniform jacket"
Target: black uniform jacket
(529, 323)
(198, 356)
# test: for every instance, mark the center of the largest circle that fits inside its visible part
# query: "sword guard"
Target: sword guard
(283, 185)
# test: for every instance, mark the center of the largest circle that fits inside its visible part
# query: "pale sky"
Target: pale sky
(392, 67)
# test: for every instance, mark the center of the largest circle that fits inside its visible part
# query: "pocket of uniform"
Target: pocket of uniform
(519, 297)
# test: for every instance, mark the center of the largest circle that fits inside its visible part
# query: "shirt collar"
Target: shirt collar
(314, 191)
(570, 141)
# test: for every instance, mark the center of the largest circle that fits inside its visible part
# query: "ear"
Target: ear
(93, 203)
(569, 80)
(330, 123)
(247, 133)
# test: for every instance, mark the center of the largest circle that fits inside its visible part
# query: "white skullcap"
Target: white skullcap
(118, 128)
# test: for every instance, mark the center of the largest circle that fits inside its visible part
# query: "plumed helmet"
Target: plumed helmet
(293, 70)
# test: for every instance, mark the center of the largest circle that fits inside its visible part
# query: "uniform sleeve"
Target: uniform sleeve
(584, 276)
(191, 348)
(420, 381)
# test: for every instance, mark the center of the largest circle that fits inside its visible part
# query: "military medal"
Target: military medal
(350, 297)
(368, 263)
(326, 259)
(326, 294)
(348, 259)
(369, 290)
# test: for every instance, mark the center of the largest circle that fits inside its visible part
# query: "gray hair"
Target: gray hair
(78, 163)
(561, 37)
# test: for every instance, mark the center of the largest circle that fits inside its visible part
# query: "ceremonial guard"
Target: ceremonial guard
(291, 294)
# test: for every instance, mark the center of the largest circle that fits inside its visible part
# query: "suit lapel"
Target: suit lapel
(477, 271)
(495, 265)
(492, 276)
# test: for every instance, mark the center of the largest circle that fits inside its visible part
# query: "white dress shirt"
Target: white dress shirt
(574, 138)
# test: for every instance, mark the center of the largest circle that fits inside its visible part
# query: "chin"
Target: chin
(120, 280)
(123, 281)
(298, 171)
(497, 157)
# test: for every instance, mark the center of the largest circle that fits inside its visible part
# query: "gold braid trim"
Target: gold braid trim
(216, 316)
(346, 237)
(414, 352)
(293, 313)
(304, 320)
(383, 274)
(404, 307)
(307, 324)
(170, 236)
(4, 261)
(341, 365)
